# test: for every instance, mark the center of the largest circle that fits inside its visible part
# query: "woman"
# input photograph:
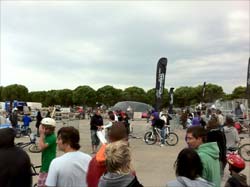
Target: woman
(188, 169)
(119, 170)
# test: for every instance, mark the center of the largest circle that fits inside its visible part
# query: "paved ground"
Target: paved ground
(153, 164)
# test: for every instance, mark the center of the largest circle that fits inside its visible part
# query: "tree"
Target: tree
(134, 94)
(15, 92)
(108, 95)
(239, 92)
(184, 96)
(39, 96)
(84, 95)
(150, 98)
(1, 89)
(64, 97)
(213, 92)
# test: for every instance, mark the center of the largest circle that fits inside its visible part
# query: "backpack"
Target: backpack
(235, 183)
(159, 123)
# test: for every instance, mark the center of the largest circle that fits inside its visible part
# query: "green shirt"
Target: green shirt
(49, 153)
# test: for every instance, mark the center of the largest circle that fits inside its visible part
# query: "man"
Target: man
(15, 166)
(47, 143)
(68, 170)
(14, 118)
(208, 152)
(96, 124)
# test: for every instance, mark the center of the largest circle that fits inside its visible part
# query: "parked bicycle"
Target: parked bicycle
(243, 150)
(154, 134)
(33, 145)
(34, 172)
(22, 131)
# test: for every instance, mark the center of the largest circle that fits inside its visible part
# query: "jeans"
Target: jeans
(163, 134)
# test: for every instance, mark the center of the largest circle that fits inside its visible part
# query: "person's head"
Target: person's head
(98, 112)
(196, 135)
(118, 157)
(188, 164)
(229, 121)
(68, 137)
(49, 124)
(213, 124)
(112, 117)
(7, 137)
(117, 132)
(236, 163)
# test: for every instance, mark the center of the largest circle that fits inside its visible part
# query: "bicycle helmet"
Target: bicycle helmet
(236, 161)
(49, 122)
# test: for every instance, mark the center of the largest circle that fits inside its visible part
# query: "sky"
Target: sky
(55, 45)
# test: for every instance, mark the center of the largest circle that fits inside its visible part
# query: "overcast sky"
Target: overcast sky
(64, 44)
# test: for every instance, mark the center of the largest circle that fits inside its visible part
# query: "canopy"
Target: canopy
(136, 106)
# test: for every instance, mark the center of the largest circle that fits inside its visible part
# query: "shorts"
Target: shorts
(94, 139)
(42, 179)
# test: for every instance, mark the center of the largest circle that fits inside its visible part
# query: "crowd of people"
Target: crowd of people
(200, 163)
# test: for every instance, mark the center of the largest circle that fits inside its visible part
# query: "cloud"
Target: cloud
(64, 44)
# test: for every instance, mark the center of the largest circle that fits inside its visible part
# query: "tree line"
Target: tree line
(108, 95)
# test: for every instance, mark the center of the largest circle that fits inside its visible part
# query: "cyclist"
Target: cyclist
(236, 165)
(158, 123)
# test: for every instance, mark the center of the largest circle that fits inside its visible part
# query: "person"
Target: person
(125, 119)
(163, 116)
(96, 123)
(38, 121)
(214, 134)
(69, 169)
(47, 144)
(15, 165)
(209, 153)
(220, 117)
(238, 111)
(232, 136)
(26, 121)
(119, 169)
(196, 119)
(188, 169)
(14, 118)
(97, 166)
(158, 123)
(236, 165)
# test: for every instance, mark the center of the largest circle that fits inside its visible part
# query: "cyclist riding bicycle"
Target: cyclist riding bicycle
(158, 123)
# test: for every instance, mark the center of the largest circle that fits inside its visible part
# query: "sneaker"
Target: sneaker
(161, 145)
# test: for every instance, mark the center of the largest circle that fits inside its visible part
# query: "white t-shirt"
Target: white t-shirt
(69, 170)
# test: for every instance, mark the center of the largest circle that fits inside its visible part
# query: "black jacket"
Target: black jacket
(15, 166)
(95, 121)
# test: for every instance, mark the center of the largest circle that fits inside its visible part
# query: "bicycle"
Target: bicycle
(243, 150)
(21, 130)
(154, 134)
(34, 172)
(33, 146)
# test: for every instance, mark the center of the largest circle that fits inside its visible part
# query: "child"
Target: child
(26, 121)
(236, 165)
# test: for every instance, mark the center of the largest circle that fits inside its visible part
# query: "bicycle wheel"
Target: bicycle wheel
(150, 138)
(34, 148)
(171, 138)
(244, 151)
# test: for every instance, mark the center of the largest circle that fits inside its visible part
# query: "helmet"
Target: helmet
(49, 122)
(236, 161)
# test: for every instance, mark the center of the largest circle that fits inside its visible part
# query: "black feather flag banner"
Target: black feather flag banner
(160, 82)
